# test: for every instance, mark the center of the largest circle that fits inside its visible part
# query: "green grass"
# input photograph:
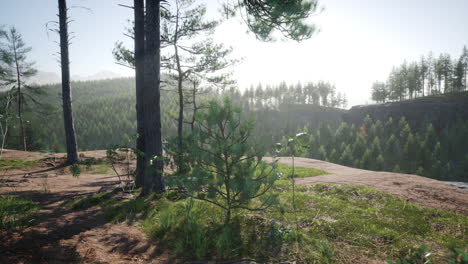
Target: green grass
(11, 164)
(86, 202)
(15, 212)
(299, 172)
(94, 166)
(337, 224)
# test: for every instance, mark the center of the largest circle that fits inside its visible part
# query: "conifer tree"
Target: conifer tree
(16, 68)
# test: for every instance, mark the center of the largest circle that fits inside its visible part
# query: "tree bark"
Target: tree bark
(139, 13)
(72, 154)
(151, 101)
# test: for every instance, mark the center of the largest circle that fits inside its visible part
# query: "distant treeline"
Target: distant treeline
(105, 112)
(428, 76)
(319, 93)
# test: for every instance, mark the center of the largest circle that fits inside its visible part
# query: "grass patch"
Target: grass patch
(86, 202)
(299, 172)
(91, 166)
(15, 212)
(12, 164)
(337, 224)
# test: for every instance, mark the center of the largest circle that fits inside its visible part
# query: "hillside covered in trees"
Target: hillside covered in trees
(105, 117)
(105, 112)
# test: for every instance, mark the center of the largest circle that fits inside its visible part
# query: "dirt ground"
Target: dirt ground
(61, 235)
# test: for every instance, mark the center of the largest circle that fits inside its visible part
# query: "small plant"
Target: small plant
(75, 170)
(294, 145)
(226, 169)
(123, 154)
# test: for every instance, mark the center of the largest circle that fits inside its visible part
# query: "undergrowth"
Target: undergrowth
(90, 165)
(12, 164)
(338, 224)
(15, 212)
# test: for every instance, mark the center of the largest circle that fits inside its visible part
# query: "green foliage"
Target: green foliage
(15, 212)
(226, 168)
(193, 230)
(75, 170)
(86, 202)
(12, 164)
(459, 257)
(113, 122)
(396, 147)
(335, 221)
(265, 17)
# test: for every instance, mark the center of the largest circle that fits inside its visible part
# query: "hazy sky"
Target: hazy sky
(359, 42)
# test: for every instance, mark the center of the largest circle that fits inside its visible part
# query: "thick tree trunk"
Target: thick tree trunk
(72, 154)
(151, 101)
(139, 12)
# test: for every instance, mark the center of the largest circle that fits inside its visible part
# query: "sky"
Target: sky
(359, 41)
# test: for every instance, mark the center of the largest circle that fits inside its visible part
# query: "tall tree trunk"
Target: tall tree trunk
(20, 100)
(180, 119)
(72, 154)
(151, 101)
(139, 13)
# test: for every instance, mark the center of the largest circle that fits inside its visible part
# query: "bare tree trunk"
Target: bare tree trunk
(20, 99)
(139, 12)
(72, 154)
(194, 103)
(180, 119)
(151, 101)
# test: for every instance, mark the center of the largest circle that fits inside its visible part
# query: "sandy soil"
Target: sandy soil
(61, 235)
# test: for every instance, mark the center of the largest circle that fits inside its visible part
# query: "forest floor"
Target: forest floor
(60, 234)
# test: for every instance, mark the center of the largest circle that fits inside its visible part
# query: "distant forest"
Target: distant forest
(105, 112)
(105, 115)
(429, 76)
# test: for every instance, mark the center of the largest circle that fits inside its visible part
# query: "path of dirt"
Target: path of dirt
(61, 235)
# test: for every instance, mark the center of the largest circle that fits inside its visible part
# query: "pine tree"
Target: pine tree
(16, 68)
(366, 160)
(222, 134)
